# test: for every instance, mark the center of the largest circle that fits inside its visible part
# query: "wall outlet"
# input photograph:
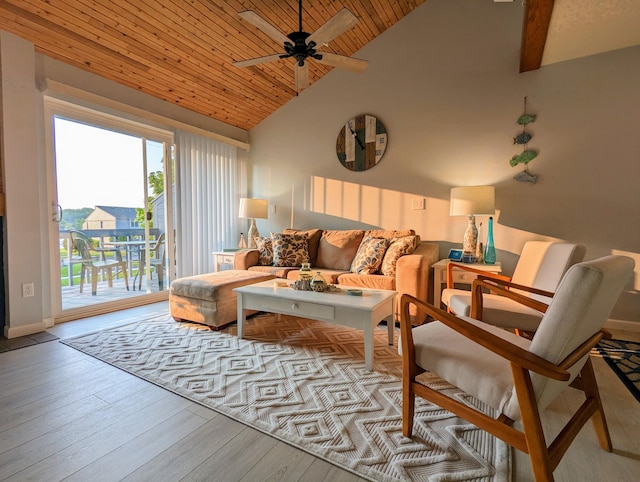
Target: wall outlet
(418, 204)
(28, 290)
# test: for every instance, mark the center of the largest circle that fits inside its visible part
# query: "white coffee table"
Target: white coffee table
(363, 312)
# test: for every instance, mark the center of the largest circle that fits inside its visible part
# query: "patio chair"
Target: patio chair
(515, 377)
(95, 264)
(540, 268)
(157, 261)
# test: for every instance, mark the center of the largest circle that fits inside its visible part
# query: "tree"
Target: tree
(73, 218)
(156, 183)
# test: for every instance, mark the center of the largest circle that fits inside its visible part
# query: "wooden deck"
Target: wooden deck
(72, 298)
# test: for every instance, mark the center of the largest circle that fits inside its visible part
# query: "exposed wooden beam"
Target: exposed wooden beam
(537, 15)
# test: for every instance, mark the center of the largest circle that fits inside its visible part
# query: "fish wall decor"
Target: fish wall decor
(527, 155)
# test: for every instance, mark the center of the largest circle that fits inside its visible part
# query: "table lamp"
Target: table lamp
(252, 209)
(472, 201)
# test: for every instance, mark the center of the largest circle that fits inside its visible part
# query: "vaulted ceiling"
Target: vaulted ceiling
(182, 51)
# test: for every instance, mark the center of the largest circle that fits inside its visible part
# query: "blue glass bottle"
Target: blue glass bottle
(490, 251)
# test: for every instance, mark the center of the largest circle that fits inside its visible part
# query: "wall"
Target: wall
(444, 81)
(22, 255)
(26, 248)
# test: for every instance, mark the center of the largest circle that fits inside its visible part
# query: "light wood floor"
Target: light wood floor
(67, 416)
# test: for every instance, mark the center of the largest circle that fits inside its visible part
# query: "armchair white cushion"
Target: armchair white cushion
(474, 368)
(540, 266)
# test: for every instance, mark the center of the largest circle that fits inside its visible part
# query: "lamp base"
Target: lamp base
(470, 239)
(253, 234)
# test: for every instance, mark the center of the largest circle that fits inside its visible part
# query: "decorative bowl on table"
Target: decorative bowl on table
(302, 285)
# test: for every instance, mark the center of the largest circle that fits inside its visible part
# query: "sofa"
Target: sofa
(380, 259)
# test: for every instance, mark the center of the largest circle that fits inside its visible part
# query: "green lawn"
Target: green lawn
(64, 274)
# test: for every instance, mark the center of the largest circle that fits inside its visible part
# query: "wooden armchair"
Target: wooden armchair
(90, 264)
(539, 270)
(517, 377)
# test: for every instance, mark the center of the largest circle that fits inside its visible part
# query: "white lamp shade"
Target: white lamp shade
(473, 200)
(253, 208)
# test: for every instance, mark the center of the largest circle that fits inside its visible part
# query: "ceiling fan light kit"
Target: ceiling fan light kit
(302, 45)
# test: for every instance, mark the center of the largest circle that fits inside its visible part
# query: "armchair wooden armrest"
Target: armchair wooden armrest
(502, 290)
(452, 266)
(501, 347)
(507, 284)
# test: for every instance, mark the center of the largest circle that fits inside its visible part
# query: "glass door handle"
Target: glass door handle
(56, 212)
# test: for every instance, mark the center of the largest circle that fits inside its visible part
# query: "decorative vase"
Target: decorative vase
(242, 244)
(318, 283)
(305, 276)
(490, 251)
(470, 237)
(252, 235)
(305, 271)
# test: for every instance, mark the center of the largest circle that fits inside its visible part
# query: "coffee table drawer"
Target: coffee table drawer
(300, 308)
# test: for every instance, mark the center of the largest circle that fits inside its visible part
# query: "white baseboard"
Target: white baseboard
(24, 330)
(623, 325)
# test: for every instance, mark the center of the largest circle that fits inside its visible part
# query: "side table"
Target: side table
(459, 276)
(223, 257)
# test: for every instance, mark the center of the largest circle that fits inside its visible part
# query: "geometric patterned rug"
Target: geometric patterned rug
(624, 359)
(304, 382)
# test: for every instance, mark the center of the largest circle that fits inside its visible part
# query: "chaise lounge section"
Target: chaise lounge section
(209, 298)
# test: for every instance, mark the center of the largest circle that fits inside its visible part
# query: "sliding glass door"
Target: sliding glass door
(109, 211)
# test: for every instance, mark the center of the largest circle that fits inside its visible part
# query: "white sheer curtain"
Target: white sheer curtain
(210, 180)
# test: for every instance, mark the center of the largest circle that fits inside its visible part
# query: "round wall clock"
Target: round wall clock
(361, 143)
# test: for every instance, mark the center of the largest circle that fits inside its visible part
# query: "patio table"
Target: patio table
(130, 247)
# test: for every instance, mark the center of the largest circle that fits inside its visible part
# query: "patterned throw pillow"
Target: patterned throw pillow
(369, 256)
(265, 246)
(290, 249)
(399, 247)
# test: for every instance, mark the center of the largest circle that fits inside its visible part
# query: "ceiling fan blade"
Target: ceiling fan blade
(302, 77)
(266, 27)
(257, 60)
(339, 23)
(343, 62)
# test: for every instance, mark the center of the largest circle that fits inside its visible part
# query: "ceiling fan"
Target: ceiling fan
(302, 45)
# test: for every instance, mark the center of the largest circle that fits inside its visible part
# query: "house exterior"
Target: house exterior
(444, 81)
(111, 217)
(157, 207)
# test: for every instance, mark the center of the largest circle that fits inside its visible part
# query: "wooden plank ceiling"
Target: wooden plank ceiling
(181, 50)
